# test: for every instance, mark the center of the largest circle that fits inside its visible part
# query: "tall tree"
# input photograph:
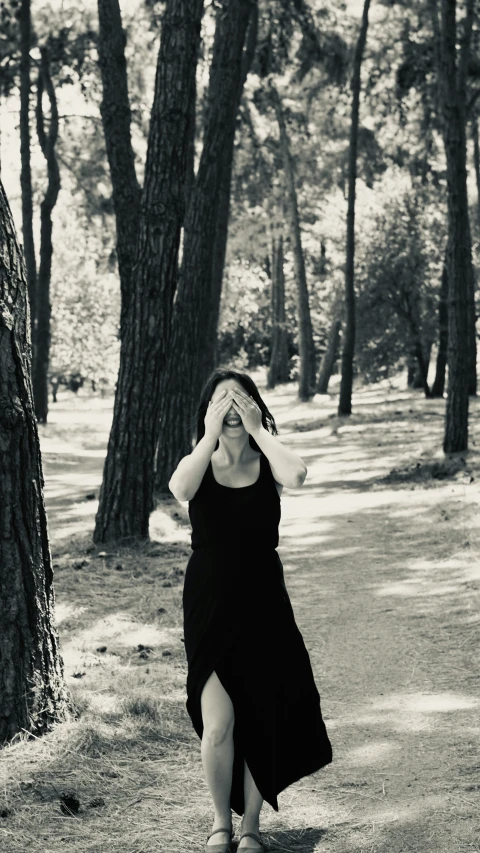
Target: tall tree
(345, 400)
(452, 78)
(48, 141)
(127, 489)
(306, 349)
(199, 284)
(32, 690)
(278, 369)
(116, 119)
(25, 23)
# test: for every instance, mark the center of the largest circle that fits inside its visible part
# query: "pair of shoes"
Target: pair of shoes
(219, 848)
(260, 849)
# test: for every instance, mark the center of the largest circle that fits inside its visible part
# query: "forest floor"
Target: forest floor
(381, 550)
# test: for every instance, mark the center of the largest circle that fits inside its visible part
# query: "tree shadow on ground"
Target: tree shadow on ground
(291, 841)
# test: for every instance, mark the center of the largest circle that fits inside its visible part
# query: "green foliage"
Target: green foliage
(399, 271)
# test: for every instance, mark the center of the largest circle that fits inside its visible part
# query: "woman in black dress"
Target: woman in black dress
(251, 694)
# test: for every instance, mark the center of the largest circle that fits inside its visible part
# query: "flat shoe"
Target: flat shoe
(260, 849)
(219, 848)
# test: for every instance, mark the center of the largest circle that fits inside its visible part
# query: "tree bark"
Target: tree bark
(346, 385)
(126, 494)
(306, 380)
(195, 296)
(329, 357)
(47, 143)
(25, 25)
(476, 160)
(438, 386)
(460, 272)
(278, 369)
(32, 690)
(208, 352)
(116, 120)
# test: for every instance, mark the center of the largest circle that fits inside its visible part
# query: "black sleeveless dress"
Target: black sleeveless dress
(238, 621)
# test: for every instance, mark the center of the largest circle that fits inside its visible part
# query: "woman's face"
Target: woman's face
(232, 422)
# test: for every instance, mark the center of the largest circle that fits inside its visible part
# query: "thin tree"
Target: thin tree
(306, 349)
(278, 368)
(438, 386)
(127, 488)
(452, 78)
(345, 400)
(330, 355)
(25, 27)
(32, 690)
(47, 140)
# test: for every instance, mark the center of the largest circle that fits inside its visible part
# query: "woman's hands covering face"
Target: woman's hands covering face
(215, 414)
(248, 410)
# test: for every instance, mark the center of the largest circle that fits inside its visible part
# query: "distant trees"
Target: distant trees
(32, 690)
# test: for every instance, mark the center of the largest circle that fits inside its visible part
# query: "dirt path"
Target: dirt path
(384, 578)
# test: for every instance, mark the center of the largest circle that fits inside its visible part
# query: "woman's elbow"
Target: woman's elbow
(300, 477)
(178, 493)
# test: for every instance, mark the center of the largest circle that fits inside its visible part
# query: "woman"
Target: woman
(251, 694)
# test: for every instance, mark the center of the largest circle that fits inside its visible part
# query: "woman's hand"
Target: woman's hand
(215, 414)
(248, 410)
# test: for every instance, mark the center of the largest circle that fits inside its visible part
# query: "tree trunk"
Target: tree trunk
(47, 144)
(346, 385)
(25, 25)
(453, 83)
(278, 369)
(126, 494)
(476, 161)
(32, 690)
(116, 120)
(306, 380)
(329, 357)
(195, 297)
(438, 386)
(208, 351)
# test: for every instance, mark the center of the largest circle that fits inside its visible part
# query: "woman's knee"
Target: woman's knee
(217, 712)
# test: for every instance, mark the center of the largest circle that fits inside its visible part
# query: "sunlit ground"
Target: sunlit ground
(381, 556)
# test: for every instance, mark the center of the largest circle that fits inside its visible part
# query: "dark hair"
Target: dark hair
(218, 375)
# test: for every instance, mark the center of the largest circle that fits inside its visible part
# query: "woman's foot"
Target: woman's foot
(250, 826)
(220, 837)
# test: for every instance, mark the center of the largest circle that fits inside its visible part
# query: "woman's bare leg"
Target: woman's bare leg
(217, 751)
(253, 805)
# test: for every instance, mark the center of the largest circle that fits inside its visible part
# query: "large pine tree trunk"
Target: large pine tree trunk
(116, 120)
(126, 494)
(306, 349)
(32, 690)
(278, 369)
(460, 272)
(329, 357)
(438, 386)
(346, 385)
(48, 142)
(25, 24)
(191, 330)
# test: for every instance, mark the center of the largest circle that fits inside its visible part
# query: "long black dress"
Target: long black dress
(238, 621)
